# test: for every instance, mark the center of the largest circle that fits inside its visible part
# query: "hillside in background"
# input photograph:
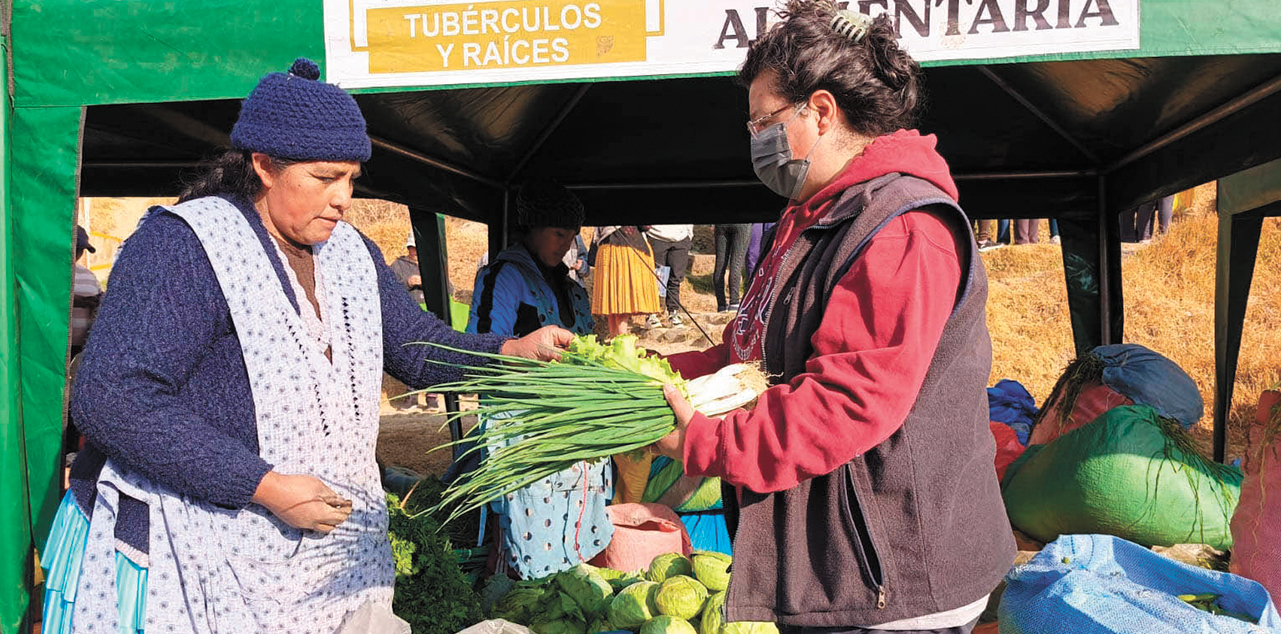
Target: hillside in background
(1169, 296)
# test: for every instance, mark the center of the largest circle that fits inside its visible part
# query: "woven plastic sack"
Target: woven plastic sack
(1008, 447)
(1256, 526)
(1149, 378)
(1099, 584)
(1132, 474)
(1131, 371)
(641, 533)
(1091, 403)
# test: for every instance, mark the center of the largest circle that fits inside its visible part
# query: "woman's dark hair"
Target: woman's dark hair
(231, 172)
(876, 84)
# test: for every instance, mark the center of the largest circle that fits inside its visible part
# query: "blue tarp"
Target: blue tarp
(1100, 584)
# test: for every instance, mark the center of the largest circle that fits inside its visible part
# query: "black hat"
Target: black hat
(545, 203)
(82, 241)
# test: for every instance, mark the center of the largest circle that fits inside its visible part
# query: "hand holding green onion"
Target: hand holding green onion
(673, 445)
(543, 417)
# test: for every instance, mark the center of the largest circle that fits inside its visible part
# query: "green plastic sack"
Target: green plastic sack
(1131, 473)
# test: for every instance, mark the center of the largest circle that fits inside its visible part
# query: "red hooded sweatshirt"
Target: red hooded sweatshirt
(873, 346)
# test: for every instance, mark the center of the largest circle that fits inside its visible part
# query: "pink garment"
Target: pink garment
(1256, 525)
(1090, 404)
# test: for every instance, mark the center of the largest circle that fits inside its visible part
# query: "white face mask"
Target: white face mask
(773, 163)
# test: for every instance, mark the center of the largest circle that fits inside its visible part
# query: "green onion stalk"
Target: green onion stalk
(542, 417)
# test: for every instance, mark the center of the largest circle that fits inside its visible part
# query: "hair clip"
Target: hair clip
(851, 25)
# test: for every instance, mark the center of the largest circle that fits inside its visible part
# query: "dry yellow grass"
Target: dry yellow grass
(1169, 307)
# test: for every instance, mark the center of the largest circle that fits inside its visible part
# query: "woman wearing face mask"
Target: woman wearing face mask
(869, 459)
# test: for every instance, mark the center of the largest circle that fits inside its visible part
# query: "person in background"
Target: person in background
(1054, 231)
(86, 294)
(865, 495)
(671, 249)
(984, 235)
(576, 260)
(525, 288)
(1003, 232)
(1136, 222)
(528, 285)
(229, 393)
(625, 280)
(1165, 212)
(755, 246)
(1027, 231)
(406, 269)
(731, 251)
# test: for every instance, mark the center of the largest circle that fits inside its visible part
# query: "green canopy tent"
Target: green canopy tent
(112, 98)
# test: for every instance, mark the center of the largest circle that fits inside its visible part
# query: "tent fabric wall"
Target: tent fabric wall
(44, 146)
(43, 158)
(69, 54)
(15, 538)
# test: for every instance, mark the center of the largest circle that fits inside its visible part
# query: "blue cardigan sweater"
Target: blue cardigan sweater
(162, 387)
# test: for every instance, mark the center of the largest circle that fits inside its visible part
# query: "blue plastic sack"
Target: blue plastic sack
(1008, 402)
(1100, 584)
(1148, 378)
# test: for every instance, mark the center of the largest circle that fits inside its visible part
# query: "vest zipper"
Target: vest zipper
(781, 263)
(875, 573)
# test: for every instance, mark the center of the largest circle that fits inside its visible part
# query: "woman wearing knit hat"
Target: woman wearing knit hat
(229, 394)
(525, 288)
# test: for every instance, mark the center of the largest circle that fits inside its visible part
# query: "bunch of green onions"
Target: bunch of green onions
(541, 418)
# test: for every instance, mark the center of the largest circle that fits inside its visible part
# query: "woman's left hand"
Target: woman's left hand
(672, 445)
(543, 344)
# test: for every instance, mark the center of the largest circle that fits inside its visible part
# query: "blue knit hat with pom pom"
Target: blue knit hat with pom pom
(296, 116)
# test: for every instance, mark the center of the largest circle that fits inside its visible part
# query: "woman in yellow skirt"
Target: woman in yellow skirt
(625, 283)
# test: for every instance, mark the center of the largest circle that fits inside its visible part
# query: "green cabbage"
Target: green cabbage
(587, 588)
(519, 605)
(558, 626)
(749, 627)
(712, 570)
(713, 614)
(635, 605)
(669, 565)
(681, 596)
(601, 625)
(668, 625)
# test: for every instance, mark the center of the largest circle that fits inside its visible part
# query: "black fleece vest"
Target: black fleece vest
(914, 526)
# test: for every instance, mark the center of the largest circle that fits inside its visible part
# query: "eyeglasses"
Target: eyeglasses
(755, 126)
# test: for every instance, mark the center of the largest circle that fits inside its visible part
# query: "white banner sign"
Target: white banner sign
(372, 43)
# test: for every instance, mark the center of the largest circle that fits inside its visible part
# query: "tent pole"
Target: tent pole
(433, 267)
(1045, 118)
(1105, 273)
(548, 131)
(995, 176)
(1237, 251)
(434, 162)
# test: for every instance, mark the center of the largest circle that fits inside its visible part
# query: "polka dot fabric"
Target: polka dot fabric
(219, 570)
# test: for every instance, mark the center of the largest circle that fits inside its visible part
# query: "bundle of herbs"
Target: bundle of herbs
(432, 593)
(541, 418)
